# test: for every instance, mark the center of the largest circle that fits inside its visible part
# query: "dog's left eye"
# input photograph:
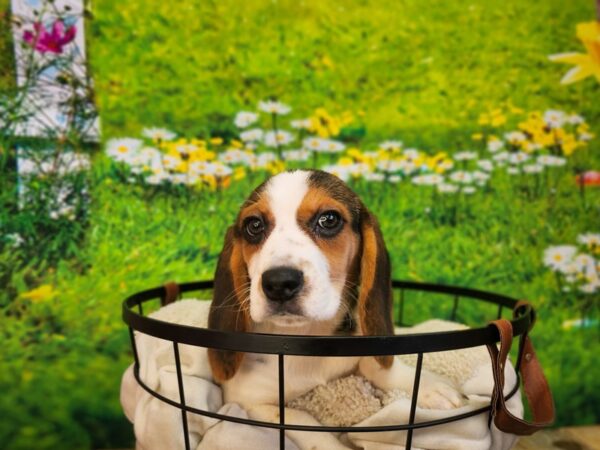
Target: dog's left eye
(329, 223)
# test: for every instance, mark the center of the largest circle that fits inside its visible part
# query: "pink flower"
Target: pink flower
(589, 178)
(51, 41)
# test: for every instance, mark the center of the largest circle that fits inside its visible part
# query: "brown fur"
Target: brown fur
(357, 253)
(229, 308)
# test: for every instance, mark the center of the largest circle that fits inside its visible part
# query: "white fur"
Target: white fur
(288, 245)
(256, 381)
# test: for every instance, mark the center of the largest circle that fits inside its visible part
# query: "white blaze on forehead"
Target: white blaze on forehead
(285, 193)
(289, 245)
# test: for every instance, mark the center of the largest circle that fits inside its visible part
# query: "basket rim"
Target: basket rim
(329, 345)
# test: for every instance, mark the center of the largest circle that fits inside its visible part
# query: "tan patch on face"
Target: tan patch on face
(339, 250)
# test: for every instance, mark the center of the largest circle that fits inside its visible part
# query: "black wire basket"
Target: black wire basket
(285, 345)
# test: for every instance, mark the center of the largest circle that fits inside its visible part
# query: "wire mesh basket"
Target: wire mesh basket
(283, 346)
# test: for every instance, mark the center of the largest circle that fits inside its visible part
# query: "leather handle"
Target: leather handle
(171, 293)
(535, 384)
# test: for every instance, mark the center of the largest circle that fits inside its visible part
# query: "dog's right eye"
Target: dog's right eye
(254, 228)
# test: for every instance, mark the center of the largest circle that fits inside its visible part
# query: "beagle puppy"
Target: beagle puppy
(306, 257)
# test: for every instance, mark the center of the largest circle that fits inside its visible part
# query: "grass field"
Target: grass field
(418, 71)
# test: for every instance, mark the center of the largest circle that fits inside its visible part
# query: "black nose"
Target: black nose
(282, 283)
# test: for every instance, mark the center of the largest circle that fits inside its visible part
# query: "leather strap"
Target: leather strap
(171, 293)
(535, 385)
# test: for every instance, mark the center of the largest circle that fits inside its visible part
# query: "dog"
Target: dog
(306, 257)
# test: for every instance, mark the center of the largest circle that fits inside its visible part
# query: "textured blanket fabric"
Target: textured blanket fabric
(347, 401)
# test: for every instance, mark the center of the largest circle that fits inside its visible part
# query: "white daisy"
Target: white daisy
(253, 135)
(123, 149)
(157, 177)
(518, 157)
(464, 156)
(201, 168)
(513, 170)
(592, 240)
(265, 158)
(374, 176)
(447, 188)
(331, 146)
(301, 124)
(275, 139)
(323, 145)
(446, 165)
(480, 177)
(461, 176)
(232, 156)
(554, 118)
(500, 157)
(428, 179)
(244, 119)
(68, 163)
(158, 134)
(359, 169)
(170, 162)
(591, 287)
(575, 119)
(390, 145)
(550, 160)
(485, 164)
(296, 155)
(515, 137)
(394, 179)
(533, 168)
(586, 264)
(585, 136)
(273, 107)
(389, 165)
(468, 190)
(494, 145)
(341, 172)
(411, 153)
(221, 170)
(558, 257)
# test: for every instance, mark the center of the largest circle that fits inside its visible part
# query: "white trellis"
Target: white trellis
(46, 104)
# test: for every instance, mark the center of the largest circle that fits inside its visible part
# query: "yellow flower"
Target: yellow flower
(569, 144)
(354, 153)
(239, 173)
(477, 136)
(236, 144)
(275, 167)
(325, 125)
(586, 64)
(216, 141)
(345, 161)
(41, 293)
(210, 181)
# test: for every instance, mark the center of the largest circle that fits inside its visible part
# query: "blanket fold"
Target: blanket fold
(350, 400)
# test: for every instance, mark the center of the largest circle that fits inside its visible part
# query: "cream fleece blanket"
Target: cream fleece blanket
(350, 400)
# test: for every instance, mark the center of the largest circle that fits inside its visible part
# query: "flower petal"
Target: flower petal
(570, 58)
(577, 73)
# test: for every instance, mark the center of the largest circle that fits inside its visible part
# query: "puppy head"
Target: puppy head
(303, 255)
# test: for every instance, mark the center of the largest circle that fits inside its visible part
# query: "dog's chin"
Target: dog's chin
(287, 320)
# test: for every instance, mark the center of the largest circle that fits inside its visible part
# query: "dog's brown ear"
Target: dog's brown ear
(228, 310)
(375, 294)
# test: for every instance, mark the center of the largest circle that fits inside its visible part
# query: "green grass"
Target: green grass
(421, 71)
(418, 69)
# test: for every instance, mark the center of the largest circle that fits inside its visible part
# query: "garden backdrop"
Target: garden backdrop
(469, 128)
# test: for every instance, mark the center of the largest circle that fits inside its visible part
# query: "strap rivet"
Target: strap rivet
(528, 357)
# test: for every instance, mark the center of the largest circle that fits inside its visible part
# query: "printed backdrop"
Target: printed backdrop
(469, 128)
